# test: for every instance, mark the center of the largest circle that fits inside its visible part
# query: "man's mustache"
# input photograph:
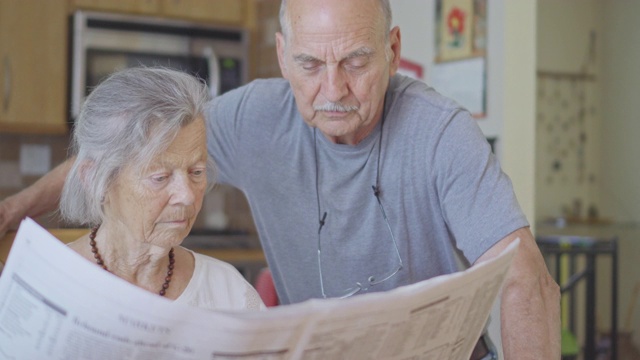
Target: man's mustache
(335, 107)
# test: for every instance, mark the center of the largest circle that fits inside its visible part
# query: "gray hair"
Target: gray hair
(285, 21)
(129, 118)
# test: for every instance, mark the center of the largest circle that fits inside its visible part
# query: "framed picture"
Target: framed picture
(461, 29)
(460, 64)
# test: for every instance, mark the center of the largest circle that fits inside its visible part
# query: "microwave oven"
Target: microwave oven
(102, 43)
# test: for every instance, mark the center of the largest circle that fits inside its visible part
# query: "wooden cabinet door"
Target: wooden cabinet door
(230, 12)
(265, 24)
(142, 7)
(33, 66)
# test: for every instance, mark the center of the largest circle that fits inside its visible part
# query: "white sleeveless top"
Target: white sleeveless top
(217, 285)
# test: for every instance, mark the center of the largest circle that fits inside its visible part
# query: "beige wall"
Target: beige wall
(568, 107)
(601, 40)
(620, 187)
(518, 153)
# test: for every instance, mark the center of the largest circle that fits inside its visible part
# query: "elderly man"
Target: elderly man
(362, 180)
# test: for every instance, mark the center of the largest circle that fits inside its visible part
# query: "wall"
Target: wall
(518, 158)
(620, 189)
(599, 40)
(568, 108)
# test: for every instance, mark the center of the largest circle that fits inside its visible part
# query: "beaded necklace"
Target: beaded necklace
(96, 255)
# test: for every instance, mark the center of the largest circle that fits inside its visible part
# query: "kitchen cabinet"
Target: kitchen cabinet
(33, 66)
(224, 12)
(142, 7)
(231, 12)
(263, 22)
(34, 45)
(259, 17)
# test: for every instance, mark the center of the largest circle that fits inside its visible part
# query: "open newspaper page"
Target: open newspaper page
(56, 305)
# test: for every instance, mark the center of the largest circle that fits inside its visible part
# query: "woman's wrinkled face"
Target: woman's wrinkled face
(159, 204)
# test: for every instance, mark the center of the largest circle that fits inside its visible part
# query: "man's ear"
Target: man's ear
(396, 45)
(280, 46)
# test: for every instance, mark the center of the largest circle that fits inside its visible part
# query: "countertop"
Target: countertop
(235, 256)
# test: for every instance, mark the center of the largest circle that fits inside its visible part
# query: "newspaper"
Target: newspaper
(56, 305)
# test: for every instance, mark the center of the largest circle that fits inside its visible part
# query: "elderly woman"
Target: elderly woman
(138, 181)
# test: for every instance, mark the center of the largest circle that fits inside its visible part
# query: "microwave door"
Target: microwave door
(214, 71)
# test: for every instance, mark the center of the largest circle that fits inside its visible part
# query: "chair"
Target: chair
(266, 288)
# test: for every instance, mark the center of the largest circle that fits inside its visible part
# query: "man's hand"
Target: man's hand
(8, 216)
(41, 197)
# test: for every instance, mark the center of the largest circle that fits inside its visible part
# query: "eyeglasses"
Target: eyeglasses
(371, 280)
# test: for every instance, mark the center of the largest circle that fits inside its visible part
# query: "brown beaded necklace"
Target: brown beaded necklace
(96, 255)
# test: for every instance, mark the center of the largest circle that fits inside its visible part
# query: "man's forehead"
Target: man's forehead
(332, 12)
(337, 5)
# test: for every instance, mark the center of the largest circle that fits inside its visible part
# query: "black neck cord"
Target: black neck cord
(376, 187)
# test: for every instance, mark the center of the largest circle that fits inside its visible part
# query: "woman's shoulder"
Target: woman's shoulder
(208, 263)
(216, 284)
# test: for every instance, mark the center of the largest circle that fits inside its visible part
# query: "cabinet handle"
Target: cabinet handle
(7, 84)
(214, 70)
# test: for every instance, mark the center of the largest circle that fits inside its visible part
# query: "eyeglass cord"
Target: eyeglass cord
(376, 192)
(376, 188)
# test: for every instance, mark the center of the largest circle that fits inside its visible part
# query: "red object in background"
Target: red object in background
(410, 68)
(266, 288)
(455, 21)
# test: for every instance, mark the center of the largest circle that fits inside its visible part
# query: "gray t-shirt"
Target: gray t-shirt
(441, 188)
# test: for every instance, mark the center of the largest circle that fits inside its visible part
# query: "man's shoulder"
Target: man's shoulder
(270, 87)
(415, 97)
(418, 93)
(256, 93)
(269, 82)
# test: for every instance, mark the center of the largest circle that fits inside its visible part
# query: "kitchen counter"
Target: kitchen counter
(249, 261)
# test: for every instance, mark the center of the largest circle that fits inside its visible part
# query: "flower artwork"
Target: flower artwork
(455, 25)
(460, 63)
(456, 18)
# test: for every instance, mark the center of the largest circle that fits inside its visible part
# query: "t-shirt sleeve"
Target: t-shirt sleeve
(222, 116)
(476, 196)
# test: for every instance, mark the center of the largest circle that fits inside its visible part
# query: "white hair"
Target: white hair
(129, 118)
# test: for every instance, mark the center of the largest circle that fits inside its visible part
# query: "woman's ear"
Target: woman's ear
(86, 174)
(85, 171)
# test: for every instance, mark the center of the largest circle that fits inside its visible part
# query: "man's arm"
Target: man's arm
(530, 308)
(41, 197)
